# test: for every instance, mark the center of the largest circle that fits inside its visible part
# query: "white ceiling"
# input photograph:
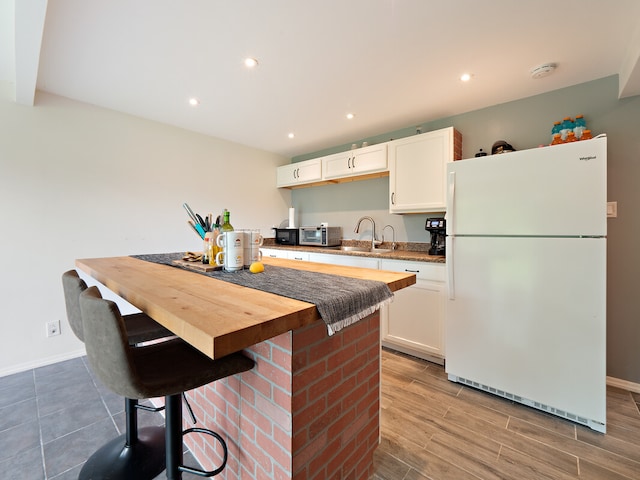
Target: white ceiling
(394, 63)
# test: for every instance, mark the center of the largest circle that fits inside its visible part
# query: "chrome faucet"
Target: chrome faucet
(393, 238)
(373, 230)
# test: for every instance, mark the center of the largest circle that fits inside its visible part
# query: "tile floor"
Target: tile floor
(53, 418)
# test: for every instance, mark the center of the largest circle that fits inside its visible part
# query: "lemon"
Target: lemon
(256, 267)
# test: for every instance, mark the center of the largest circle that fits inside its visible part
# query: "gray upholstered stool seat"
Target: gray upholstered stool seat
(140, 453)
(164, 369)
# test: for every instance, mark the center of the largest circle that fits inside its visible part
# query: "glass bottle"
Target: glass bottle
(586, 135)
(226, 225)
(206, 248)
(213, 246)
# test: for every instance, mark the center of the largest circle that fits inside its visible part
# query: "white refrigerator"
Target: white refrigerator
(526, 259)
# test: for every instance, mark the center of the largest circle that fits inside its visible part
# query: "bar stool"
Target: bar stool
(164, 369)
(140, 453)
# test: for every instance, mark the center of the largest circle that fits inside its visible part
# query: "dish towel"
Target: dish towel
(340, 301)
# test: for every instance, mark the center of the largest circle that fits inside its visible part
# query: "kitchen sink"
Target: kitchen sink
(354, 249)
(381, 250)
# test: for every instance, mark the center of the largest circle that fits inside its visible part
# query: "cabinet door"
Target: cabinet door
(360, 161)
(414, 321)
(337, 165)
(299, 173)
(417, 172)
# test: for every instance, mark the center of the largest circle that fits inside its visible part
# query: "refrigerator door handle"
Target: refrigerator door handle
(450, 240)
(450, 278)
(451, 197)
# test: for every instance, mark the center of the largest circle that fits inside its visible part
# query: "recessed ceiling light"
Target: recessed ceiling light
(194, 102)
(465, 77)
(291, 135)
(350, 116)
(250, 62)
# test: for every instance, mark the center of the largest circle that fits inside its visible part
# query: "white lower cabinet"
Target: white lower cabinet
(414, 322)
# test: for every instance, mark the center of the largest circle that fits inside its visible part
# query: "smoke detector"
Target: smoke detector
(543, 70)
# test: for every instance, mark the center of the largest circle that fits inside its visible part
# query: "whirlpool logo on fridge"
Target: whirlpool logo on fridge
(586, 159)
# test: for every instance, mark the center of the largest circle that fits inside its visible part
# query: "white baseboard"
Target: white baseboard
(42, 362)
(623, 384)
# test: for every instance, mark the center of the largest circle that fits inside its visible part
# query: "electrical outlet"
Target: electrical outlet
(612, 209)
(53, 328)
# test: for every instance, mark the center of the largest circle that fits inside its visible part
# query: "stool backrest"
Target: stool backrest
(73, 286)
(107, 344)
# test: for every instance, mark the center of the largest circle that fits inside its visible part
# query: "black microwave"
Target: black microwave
(287, 236)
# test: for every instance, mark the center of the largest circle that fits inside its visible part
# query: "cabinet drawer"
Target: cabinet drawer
(294, 255)
(273, 253)
(289, 254)
(435, 272)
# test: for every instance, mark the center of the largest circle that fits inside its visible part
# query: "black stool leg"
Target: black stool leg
(136, 455)
(173, 422)
(131, 419)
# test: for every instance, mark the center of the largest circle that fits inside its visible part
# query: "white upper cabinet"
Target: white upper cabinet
(299, 173)
(417, 170)
(356, 162)
(416, 167)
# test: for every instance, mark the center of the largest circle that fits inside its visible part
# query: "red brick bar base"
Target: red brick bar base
(309, 410)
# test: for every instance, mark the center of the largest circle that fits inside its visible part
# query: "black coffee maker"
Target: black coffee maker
(437, 227)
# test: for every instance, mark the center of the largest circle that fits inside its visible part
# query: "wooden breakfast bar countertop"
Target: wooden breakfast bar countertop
(214, 316)
(310, 406)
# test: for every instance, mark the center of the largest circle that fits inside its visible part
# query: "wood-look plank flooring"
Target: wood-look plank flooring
(439, 430)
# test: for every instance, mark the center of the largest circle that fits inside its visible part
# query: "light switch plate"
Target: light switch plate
(612, 209)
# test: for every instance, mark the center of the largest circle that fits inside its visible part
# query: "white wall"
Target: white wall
(342, 204)
(78, 181)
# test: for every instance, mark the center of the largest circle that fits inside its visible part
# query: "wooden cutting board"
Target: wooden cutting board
(198, 266)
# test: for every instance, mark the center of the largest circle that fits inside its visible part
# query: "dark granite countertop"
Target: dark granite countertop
(410, 251)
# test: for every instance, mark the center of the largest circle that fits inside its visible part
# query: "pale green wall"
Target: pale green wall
(526, 124)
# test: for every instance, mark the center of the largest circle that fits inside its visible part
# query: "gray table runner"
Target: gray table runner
(340, 301)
